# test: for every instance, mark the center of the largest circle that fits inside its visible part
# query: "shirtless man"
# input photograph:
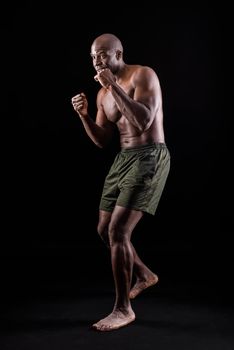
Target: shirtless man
(129, 99)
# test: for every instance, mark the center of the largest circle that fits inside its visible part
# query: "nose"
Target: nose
(97, 60)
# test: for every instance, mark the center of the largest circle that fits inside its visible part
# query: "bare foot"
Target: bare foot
(115, 320)
(141, 285)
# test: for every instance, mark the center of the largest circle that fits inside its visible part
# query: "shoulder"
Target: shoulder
(144, 74)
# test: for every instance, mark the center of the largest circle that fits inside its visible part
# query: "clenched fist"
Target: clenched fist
(80, 104)
(105, 77)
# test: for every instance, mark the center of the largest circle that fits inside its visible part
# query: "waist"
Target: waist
(154, 145)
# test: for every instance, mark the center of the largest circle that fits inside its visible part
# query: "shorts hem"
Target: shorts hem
(145, 210)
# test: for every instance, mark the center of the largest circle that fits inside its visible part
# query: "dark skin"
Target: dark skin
(129, 99)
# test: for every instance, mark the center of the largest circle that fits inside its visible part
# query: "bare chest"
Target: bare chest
(110, 106)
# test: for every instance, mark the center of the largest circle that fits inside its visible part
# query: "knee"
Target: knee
(102, 230)
(118, 234)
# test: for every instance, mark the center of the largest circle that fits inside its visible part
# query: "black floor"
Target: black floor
(161, 323)
(51, 303)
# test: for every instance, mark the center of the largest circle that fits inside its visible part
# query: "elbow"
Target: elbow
(102, 144)
(99, 145)
(142, 127)
(145, 121)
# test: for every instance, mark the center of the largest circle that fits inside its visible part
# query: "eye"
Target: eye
(101, 56)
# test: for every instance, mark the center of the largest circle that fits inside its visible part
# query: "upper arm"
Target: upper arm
(147, 88)
(101, 118)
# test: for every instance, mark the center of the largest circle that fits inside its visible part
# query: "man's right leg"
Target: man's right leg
(144, 276)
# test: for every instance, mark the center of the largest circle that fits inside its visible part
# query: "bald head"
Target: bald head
(107, 52)
(108, 42)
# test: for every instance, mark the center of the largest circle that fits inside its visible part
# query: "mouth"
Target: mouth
(99, 68)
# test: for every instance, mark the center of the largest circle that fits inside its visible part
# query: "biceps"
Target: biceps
(104, 123)
(147, 97)
(101, 118)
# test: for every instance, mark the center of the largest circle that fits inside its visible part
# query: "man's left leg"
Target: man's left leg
(123, 222)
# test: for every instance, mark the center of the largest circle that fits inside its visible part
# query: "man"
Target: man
(129, 99)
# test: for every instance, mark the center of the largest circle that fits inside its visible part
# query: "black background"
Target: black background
(52, 174)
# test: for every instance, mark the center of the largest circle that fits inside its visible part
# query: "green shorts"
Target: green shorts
(136, 178)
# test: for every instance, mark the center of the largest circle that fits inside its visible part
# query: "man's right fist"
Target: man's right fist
(80, 104)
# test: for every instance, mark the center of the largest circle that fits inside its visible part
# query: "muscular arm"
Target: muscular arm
(141, 109)
(101, 130)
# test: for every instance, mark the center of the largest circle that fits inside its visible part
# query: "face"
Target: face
(104, 57)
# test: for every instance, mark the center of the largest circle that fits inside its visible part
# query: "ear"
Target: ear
(118, 54)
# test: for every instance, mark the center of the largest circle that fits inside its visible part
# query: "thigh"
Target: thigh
(124, 220)
(141, 189)
(110, 189)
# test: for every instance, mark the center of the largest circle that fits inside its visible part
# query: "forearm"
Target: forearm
(136, 113)
(95, 132)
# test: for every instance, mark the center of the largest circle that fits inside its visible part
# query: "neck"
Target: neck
(121, 71)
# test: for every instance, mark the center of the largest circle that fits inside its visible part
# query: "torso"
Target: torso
(130, 136)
